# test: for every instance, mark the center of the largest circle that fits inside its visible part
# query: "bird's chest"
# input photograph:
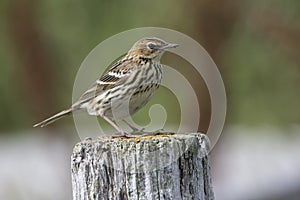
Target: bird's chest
(145, 79)
(143, 93)
(150, 79)
(151, 73)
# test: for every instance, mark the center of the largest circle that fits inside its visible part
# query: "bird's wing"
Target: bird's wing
(113, 77)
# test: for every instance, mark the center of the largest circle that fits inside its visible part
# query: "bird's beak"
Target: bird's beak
(169, 45)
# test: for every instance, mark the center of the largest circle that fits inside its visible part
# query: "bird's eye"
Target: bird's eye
(151, 46)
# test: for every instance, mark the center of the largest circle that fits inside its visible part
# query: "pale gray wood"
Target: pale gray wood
(161, 167)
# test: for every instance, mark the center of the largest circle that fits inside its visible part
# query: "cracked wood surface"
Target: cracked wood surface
(153, 167)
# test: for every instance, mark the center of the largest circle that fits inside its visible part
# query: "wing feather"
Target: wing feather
(113, 77)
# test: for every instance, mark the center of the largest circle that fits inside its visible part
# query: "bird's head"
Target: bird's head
(150, 48)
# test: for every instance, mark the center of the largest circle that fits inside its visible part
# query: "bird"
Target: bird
(125, 88)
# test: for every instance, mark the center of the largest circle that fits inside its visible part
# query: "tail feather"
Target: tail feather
(54, 118)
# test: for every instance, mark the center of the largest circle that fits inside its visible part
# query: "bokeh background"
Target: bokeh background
(255, 45)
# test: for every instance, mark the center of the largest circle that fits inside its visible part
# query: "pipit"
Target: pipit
(125, 88)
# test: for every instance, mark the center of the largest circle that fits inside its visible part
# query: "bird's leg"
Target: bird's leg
(134, 129)
(123, 133)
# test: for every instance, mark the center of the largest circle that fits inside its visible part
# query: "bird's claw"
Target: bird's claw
(124, 135)
(142, 133)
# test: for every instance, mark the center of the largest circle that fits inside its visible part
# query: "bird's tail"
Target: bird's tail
(54, 118)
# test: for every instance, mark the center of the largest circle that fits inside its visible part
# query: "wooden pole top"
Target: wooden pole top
(152, 167)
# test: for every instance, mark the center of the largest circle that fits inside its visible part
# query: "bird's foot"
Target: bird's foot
(124, 135)
(142, 132)
(157, 132)
(160, 131)
(149, 133)
(137, 131)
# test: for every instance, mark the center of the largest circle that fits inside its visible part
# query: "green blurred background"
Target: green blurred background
(255, 44)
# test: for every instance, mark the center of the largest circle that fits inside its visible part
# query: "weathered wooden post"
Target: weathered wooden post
(153, 167)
